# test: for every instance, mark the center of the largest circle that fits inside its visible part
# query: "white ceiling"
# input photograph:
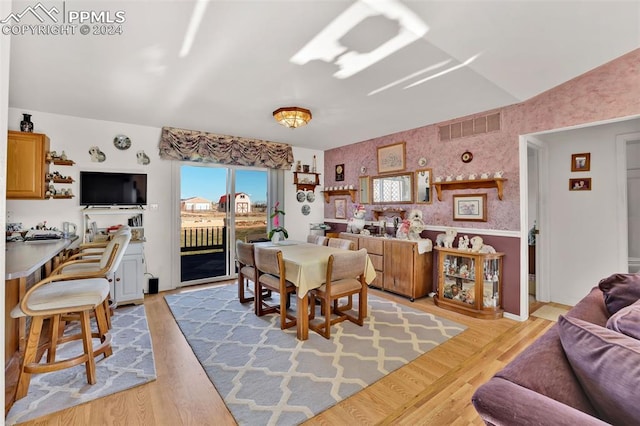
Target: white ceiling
(239, 67)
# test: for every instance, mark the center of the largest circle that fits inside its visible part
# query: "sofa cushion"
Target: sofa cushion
(626, 321)
(607, 365)
(620, 290)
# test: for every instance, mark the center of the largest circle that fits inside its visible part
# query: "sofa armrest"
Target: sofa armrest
(501, 402)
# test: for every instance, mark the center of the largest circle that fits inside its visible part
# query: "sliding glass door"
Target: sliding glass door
(217, 206)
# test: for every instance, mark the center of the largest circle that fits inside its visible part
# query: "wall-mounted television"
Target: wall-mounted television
(113, 189)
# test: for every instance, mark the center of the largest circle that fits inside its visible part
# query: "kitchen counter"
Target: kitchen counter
(23, 258)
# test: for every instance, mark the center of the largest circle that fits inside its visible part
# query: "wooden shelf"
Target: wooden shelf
(62, 196)
(306, 183)
(58, 180)
(470, 184)
(59, 162)
(351, 192)
(388, 212)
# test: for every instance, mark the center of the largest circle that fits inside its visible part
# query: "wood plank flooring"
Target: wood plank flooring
(435, 389)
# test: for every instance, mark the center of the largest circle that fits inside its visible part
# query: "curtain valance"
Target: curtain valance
(192, 145)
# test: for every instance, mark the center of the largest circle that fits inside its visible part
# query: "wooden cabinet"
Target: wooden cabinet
(306, 181)
(26, 165)
(400, 266)
(129, 277)
(470, 283)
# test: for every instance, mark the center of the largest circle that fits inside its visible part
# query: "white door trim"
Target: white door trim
(621, 205)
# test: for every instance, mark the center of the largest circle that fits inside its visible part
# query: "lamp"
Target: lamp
(292, 117)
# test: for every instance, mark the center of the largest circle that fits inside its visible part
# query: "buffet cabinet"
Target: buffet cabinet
(402, 266)
(470, 283)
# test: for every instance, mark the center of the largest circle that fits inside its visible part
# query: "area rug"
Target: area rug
(131, 364)
(549, 312)
(267, 376)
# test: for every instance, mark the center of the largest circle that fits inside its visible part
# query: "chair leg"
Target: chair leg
(107, 312)
(53, 338)
(103, 333)
(29, 356)
(241, 289)
(90, 364)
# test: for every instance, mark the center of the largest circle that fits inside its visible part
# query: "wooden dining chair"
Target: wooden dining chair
(247, 271)
(60, 297)
(271, 276)
(320, 240)
(341, 243)
(345, 277)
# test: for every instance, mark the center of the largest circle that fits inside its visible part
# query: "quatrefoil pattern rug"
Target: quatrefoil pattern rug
(131, 364)
(267, 376)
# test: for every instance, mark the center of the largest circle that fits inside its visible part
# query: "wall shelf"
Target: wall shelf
(388, 213)
(59, 162)
(350, 192)
(306, 181)
(470, 184)
(58, 180)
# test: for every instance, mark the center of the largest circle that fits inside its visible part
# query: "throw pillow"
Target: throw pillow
(620, 290)
(607, 365)
(626, 321)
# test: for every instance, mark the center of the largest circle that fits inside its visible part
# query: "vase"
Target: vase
(275, 237)
(26, 125)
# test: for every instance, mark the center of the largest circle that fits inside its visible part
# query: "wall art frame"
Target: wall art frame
(340, 206)
(580, 184)
(391, 158)
(470, 207)
(581, 162)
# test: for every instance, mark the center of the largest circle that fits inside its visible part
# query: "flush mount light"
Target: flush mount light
(292, 117)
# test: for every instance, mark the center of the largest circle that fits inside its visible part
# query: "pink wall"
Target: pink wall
(607, 92)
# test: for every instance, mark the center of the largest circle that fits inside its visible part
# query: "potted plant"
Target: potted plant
(276, 229)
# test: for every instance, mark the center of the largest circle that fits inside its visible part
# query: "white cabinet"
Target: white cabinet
(129, 277)
(127, 284)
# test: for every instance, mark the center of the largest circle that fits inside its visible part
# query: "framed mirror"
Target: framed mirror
(363, 181)
(423, 187)
(392, 189)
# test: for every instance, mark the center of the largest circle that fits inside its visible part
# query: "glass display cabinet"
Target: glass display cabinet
(470, 283)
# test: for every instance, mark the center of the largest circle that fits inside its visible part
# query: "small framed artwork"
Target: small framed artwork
(391, 158)
(423, 186)
(581, 162)
(580, 184)
(471, 207)
(341, 208)
(339, 172)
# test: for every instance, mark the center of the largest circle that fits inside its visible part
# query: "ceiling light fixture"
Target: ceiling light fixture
(292, 117)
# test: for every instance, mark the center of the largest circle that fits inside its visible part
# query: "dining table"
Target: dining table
(305, 266)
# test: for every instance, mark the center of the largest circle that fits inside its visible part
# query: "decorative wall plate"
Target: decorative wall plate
(422, 162)
(122, 142)
(301, 196)
(306, 209)
(311, 197)
(466, 157)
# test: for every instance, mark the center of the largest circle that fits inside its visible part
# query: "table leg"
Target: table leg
(302, 320)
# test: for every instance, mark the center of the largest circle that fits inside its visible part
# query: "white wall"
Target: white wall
(582, 232)
(296, 223)
(75, 135)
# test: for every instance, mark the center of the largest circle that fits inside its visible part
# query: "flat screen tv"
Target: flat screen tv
(113, 189)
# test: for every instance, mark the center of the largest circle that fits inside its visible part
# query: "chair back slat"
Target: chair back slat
(346, 265)
(268, 260)
(245, 253)
(341, 243)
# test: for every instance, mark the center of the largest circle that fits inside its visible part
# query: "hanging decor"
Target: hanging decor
(203, 147)
(292, 117)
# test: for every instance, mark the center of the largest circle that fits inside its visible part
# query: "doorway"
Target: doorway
(633, 204)
(217, 206)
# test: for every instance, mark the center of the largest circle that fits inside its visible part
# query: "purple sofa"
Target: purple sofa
(585, 370)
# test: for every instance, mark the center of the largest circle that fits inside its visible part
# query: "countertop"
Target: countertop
(24, 258)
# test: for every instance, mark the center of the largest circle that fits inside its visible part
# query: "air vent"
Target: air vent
(473, 126)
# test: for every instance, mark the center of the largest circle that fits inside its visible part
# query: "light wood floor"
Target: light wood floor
(435, 389)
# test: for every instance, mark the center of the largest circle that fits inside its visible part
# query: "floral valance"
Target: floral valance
(192, 145)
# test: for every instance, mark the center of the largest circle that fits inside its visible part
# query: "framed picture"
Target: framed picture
(470, 207)
(580, 184)
(391, 158)
(581, 162)
(341, 208)
(339, 172)
(423, 186)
